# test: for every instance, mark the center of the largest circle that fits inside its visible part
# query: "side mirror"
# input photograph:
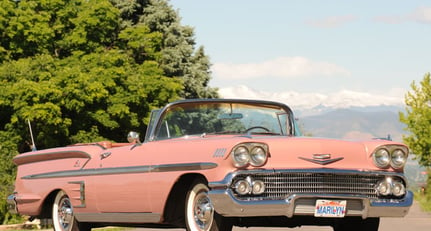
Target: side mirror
(133, 137)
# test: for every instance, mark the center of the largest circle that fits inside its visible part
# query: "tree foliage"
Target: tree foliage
(89, 70)
(418, 120)
(178, 57)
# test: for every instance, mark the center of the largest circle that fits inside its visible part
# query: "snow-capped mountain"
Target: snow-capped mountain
(344, 114)
(315, 103)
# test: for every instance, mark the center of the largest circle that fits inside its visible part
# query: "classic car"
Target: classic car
(211, 164)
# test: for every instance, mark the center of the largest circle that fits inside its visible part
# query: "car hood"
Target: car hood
(284, 152)
(305, 152)
(315, 153)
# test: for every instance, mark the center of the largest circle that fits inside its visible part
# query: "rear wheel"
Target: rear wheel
(63, 218)
(199, 211)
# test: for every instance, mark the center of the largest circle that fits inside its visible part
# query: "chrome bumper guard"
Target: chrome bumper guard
(227, 205)
(303, 204)
(11, 204)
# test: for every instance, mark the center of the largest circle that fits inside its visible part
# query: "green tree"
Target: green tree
(179, 58)
(418, 120)
(55, 27)
(418, 123)
(89, 70)
(97, 96)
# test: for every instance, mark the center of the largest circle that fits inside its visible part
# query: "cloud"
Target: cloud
(282, 67)
(389, 19)
(307, 100)
(332, 21)
(420, 14)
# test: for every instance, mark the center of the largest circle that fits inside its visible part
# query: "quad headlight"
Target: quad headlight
(391, 187)
(398, 158)
(258, 156)
(394, 156)
(241, 156)
(254, 154)
(249, 186)
(382, 158)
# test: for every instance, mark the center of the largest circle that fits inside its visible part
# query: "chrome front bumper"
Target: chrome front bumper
(304, 204)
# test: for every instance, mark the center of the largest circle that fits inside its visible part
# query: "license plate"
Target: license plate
(330, 208)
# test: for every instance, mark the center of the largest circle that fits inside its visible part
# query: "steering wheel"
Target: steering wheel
(257, 127)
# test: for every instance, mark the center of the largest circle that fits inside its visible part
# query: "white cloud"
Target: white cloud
(301, 101)
(282, 67)
(394, 19)
(420, 14)
(332, 21)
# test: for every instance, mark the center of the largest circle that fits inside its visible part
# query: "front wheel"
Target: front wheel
(63, 218)
(199, 211)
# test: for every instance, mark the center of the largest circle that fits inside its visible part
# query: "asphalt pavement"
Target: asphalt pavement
(416, 220)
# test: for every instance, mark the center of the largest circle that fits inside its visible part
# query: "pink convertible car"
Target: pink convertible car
(208, 165)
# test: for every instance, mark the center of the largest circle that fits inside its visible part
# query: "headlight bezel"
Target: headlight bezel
(252, 153)
(390, 156)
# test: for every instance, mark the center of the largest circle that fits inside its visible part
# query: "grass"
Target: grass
(424, 200)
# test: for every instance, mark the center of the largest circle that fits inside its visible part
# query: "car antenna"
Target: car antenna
(33, 145)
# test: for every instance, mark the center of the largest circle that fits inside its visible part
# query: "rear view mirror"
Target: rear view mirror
(230, 116)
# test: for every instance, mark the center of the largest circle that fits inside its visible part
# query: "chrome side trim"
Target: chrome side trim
(119, 217)
(81, 193)
(124, 170)
(183, 167)
(220, 152)
(89, 172)
(46, 156)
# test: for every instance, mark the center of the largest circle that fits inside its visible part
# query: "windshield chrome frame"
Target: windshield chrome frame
(151, 133)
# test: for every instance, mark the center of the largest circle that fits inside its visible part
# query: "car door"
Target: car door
(121, 180)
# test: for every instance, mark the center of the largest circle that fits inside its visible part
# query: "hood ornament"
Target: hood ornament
(322, 159)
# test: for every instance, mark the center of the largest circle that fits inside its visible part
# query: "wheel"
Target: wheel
(199, 211)
(369, 224)
(62, 215)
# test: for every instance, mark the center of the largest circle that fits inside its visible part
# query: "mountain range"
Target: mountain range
(344, 114)
(352, 122)
(361, 123)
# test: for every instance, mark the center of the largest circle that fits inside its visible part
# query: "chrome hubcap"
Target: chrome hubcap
(65, 213)
(203, 211)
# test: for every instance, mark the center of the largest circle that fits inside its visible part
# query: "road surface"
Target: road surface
(415, 220)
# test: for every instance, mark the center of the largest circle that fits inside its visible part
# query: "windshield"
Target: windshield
(222, 118)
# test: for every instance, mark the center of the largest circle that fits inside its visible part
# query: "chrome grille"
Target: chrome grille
(280, 185)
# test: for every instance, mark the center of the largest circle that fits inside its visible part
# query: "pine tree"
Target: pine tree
(179, 58)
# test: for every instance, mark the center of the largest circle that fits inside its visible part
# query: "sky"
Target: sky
(313, 52)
